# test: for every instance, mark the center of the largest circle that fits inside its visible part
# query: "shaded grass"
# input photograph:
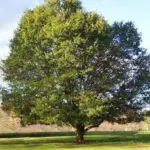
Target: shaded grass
(35, 134)
(94, 141)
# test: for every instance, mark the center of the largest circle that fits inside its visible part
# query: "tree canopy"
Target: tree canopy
(69, 66)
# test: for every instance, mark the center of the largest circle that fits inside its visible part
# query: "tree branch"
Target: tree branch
(92, 126)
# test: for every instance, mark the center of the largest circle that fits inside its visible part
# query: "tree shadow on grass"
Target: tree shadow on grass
(119, 137)
(96, 139)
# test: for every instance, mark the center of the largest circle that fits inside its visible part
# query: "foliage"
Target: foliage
(69, 66)
(147, 119)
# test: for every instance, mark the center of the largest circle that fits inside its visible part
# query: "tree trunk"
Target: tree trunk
(80, 133)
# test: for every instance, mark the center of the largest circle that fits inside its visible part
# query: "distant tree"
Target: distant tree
(147, 118)
(68, 66)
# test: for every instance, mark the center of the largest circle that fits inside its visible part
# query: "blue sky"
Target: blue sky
(137, 11)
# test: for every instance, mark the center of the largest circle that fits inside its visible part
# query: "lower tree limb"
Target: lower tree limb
(92, 126)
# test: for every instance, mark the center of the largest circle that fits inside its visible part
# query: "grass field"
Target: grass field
(94, 141)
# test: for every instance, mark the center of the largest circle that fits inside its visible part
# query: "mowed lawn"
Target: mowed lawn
(94, 141)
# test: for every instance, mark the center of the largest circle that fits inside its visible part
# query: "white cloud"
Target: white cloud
(6, 34)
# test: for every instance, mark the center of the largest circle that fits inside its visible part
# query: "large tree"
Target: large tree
(68, 66)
